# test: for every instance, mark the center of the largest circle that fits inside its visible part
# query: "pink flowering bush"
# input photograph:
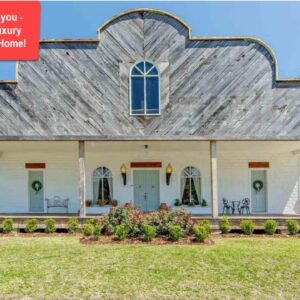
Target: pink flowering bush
(135, 220)
(129, 216)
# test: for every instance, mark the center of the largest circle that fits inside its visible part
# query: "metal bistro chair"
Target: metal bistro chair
(226, 207)
(245, 206)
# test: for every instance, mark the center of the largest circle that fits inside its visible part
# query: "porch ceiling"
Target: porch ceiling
(259, 147)
(37, 146)
(147, 146)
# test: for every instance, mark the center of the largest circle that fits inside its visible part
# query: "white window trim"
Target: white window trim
(183, 175)
(102, 179)
(145, 102)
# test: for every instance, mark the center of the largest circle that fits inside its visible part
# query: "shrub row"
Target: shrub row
(30, 225)
(270, 226)
(129, 221)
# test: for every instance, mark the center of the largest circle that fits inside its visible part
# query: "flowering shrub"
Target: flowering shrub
(183, 219)
(162, 220)
(135, 221)
(129, 216)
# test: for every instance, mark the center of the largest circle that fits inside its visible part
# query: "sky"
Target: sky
(276, 23)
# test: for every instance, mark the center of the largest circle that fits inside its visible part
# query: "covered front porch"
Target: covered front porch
(199, 176)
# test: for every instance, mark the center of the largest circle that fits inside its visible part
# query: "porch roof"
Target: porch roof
(225, 146)
(147, 138)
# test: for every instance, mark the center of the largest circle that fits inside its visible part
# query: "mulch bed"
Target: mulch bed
(39, 234)
(261, 235)
(189, 240)
(161, 240)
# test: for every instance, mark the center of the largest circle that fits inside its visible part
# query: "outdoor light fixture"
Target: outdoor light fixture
(123, 170)
(169, 170)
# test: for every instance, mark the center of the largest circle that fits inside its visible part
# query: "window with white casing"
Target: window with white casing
(102, 185)
(144, 89)
(190, 185)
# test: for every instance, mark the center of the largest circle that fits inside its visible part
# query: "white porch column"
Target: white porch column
(214, 178)
(81, 156)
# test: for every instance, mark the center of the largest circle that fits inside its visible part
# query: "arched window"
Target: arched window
(190, 185)
(144, 89)
(102, 185)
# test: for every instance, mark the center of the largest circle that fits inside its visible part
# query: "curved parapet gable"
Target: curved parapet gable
(104, 26)
(196, 38)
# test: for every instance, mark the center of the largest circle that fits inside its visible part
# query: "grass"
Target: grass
(232, 268)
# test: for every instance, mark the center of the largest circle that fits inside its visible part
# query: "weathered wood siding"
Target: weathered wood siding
(209, 89)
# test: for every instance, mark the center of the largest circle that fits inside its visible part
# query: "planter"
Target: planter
(163, 206)
(113, 203)
(88, 203)
(101, 202)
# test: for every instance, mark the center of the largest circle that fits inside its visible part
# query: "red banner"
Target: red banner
(19, 30)
(145, 165)
(259, 164)
(35, 165)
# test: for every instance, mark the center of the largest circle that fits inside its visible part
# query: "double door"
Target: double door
(146, 189)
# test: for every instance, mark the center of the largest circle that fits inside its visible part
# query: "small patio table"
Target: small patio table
(235, 205)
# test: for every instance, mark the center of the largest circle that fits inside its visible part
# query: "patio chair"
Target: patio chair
(245, 206)
(226, 207)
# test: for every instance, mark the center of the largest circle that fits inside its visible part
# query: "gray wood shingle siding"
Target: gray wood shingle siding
(210, 89)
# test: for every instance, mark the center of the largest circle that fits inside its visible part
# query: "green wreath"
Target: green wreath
(36, 186)
(258, 185)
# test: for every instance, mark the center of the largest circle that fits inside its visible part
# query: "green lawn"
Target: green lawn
(233, 268)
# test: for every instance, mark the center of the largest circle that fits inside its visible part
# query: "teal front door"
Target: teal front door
(259, 191)
(146, 189)
(36, 191)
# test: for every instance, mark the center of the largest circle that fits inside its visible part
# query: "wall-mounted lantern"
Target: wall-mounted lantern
(169, 171)
(123, 171)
